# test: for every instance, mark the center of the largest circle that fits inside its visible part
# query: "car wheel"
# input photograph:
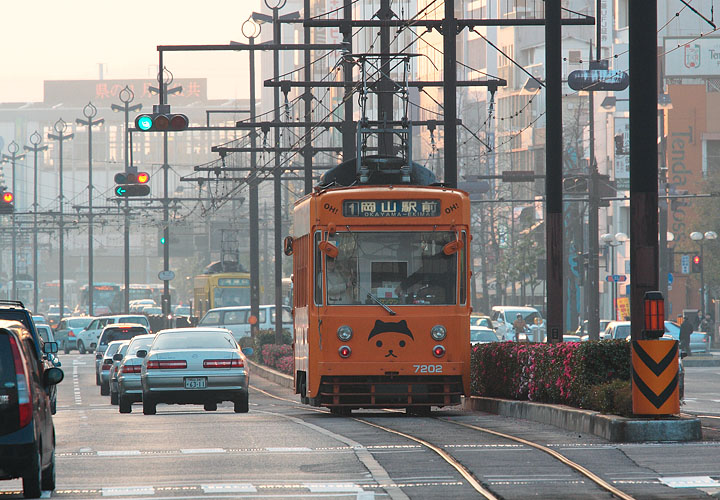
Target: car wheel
(210, 406)
(48, 475)
(104, 389)
(81, 347)
(113, 398)
(125, 405)
(149, 406)
(31, 481)
(241, 405)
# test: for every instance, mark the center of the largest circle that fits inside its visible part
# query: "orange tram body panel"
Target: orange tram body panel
(381, 297)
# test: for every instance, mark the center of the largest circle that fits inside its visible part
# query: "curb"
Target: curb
(613, 428)
(703, 362)
(272, 375)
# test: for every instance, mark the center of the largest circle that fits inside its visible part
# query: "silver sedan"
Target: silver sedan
(194, 366)
(129, 388)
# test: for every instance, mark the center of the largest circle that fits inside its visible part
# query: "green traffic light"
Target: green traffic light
(162, 240)
(145, 123)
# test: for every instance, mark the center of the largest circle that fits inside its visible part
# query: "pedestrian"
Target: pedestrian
(519, 326)
(686, 330)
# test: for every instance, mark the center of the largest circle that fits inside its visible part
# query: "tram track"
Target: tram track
(484, 490)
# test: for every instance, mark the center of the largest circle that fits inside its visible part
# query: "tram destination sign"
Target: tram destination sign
(233, 282)
(391, 208)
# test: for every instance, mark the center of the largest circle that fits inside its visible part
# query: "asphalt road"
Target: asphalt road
(281, 449)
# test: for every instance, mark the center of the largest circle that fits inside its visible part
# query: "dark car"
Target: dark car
(27, 435)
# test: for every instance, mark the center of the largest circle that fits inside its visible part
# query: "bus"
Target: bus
(103, 297)
(138, 291)
(49, 294)
(221, 289)
(380, 301)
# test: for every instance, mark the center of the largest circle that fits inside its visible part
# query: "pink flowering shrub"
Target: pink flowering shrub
(272, 354)
(285, 364)
(551, 373)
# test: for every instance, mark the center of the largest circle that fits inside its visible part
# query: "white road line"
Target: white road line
(333, 487)
(288, 449)
(128, 491)
(690, 482)
(117, 453)
(229, 488)
(202, 450)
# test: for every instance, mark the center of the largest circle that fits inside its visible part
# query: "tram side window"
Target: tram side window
(463, 270)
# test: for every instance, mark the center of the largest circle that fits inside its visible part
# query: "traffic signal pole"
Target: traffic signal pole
(13, 148)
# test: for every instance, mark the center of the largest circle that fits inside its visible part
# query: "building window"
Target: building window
(712, 159)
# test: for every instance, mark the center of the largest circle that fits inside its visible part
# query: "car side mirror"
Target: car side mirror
(117, 357)
(98, 355)
(50, 347)
(141, 353)
(248, 351)
(53, 376)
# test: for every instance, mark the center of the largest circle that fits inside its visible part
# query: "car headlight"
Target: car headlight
(344, 333)
(438, 332)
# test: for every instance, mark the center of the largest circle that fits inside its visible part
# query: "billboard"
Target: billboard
(106, 92)
(692, 57)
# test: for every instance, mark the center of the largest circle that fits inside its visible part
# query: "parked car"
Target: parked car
(27, 434)
(699, 341)
(112, 332)
(237, 319)
(194, 366)
(87, 340)
(46, 334)
(68, 329)
(137, 305)
(129, 389)
(106, 363)
(504, 316)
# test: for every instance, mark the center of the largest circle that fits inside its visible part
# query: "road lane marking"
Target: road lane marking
(126, 491)
(118, 453)
(189, 451)
(333, 487)
(229, 488)
(288, 449)
(690, 482)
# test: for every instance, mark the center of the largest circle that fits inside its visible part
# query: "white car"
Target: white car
(504, 316)
(237, 319)
(87, 339)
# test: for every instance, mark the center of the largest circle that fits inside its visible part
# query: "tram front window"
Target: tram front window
(392, 268)
(231, 297)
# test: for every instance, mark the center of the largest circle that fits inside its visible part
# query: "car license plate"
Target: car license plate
(195, 382)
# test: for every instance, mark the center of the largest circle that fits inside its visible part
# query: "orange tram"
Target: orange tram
(381, 296)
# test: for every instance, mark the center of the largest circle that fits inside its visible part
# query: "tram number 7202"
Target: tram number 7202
(428, 368)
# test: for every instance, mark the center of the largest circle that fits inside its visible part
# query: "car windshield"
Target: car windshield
(482, 337)
(122, 333)
(79, 322)
(194, 340)
(112, 349)
(139, 343)
(231, 297)
(622, 331)
(480, 322)
(44, 332)
(140, 320)
(392, 268)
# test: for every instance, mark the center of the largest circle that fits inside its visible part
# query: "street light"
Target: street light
(700, 237)
(612, 241)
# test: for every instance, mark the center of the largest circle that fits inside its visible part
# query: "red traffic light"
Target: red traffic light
(8, 197)
(132, 178)
(143, 177)
(696, 259)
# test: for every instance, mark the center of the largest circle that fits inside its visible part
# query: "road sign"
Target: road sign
(166, 275)
(670, 279)
(126, 190)
(616, 278)
(685, 264)
(598, 79)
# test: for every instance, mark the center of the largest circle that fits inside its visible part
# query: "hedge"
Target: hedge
(570, 373)
(277, 356)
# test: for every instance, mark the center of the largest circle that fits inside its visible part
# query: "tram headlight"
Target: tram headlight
(344, 351)
(344, 333)
(438, 351)
(438, 332)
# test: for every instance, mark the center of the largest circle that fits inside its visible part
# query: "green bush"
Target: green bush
(552, 373)
(610, 397)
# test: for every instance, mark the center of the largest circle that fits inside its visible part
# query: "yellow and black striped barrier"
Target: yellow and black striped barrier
(655, 389)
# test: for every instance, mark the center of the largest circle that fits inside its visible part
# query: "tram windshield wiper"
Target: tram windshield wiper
(379, 302)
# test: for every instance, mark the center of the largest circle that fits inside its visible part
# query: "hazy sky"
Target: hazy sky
(53, 40)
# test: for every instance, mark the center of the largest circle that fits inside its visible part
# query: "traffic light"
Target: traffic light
(132, 184)
(696, 264)
(161, 122)
(6, 205)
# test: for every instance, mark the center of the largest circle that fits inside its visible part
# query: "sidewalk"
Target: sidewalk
(610, 427)
(703, 359)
